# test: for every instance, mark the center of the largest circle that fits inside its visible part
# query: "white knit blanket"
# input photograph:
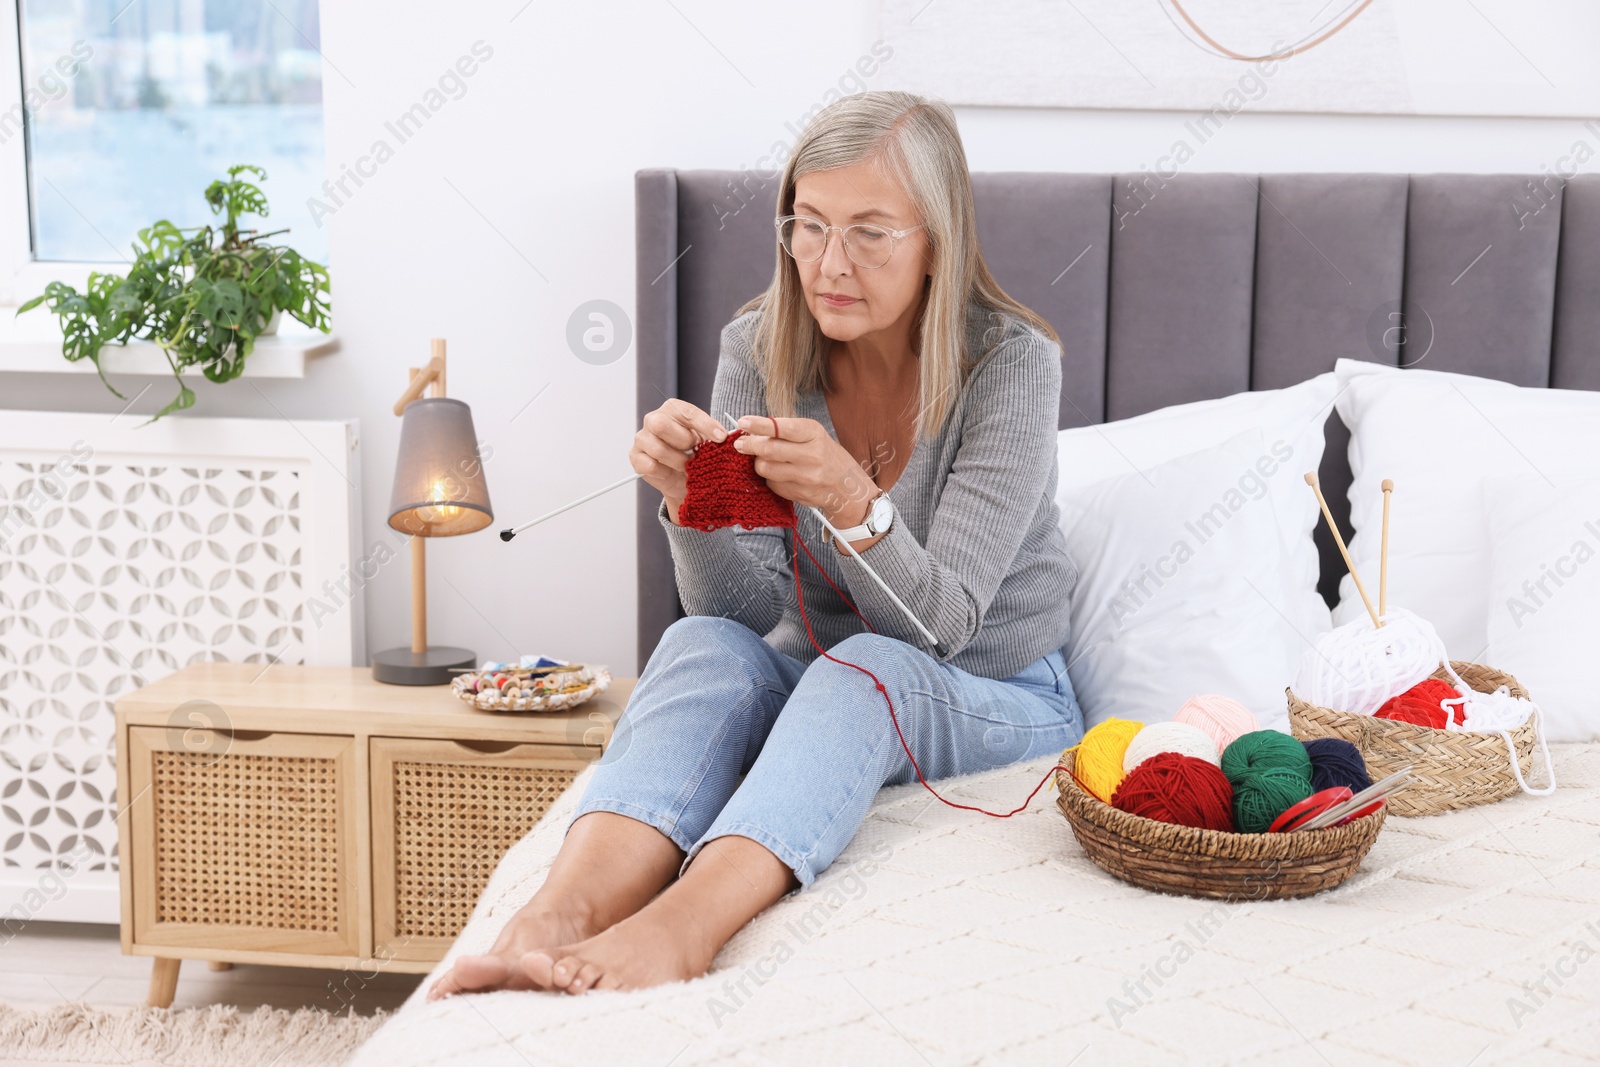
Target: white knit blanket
(1468, 938)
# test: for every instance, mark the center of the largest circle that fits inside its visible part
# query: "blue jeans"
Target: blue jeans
(726, 735)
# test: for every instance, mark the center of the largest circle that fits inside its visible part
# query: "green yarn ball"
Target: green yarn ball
(1260, 749)
(1262, 796)
(1270, 772)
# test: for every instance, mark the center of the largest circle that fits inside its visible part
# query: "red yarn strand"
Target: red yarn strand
(889, 703)
(848, 602)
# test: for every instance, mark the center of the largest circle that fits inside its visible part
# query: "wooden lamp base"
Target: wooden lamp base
(420, 664)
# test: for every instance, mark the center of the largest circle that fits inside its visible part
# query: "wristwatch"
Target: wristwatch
(880, 516)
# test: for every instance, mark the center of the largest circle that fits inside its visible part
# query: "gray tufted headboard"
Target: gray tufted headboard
(1186, 288)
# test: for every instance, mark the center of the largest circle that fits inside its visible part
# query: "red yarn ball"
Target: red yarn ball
(1172, 787)
(1420, 706)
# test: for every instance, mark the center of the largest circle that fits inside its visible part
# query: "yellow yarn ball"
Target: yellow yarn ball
(1098, 764)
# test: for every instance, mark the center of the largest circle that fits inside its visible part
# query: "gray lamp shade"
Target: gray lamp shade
(439, 489)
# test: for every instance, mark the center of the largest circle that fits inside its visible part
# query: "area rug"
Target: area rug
(945, 937)
(216, 1036)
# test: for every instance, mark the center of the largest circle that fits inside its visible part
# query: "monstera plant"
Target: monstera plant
(203, 294)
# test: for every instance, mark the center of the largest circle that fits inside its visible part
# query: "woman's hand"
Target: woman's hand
(664, 443)
(802, 463)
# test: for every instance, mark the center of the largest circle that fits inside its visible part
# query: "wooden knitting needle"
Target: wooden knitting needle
(1311, 480)
(1383, 551)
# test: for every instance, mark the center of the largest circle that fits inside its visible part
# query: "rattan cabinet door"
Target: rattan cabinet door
(443, 813)
(244, 842)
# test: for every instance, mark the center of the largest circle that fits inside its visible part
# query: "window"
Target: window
(127, 109)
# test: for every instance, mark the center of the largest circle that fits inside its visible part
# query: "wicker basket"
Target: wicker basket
(1450, 768)
(1210, 863)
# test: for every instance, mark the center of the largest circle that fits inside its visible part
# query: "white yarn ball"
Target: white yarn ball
(1356, 667)
(1180, 737)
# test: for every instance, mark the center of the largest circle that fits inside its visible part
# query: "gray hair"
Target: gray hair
(915, 141)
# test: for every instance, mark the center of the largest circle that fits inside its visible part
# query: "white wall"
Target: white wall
(540, 150)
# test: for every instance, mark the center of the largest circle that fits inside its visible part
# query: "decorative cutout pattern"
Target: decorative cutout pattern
(114, 574)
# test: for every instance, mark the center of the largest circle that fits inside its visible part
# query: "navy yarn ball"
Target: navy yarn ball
(1335, 762)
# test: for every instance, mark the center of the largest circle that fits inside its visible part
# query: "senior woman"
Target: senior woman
(885, 379)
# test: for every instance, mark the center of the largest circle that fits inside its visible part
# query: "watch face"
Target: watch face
(882, 513)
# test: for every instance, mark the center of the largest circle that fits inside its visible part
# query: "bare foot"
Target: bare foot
(654, 946)
(536, 926)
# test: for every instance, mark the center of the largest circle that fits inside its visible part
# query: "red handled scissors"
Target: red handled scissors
(1304, 811)
(1336, 806)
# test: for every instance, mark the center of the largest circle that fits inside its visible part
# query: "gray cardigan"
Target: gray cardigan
(975, 549)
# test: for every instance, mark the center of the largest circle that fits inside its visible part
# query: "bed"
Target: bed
(944, 937)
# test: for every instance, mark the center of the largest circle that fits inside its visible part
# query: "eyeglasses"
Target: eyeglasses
(806, 239)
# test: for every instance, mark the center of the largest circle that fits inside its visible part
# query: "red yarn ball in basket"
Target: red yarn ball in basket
(1171, 787)
(1420, 705)
(722, 488)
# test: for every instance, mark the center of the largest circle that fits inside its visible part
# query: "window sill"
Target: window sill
(32, 344)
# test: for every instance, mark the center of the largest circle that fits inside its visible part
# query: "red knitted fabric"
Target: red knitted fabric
(722, 488)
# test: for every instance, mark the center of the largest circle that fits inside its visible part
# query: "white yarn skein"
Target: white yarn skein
(1486, 712)
(1179, 737)
(1499, 713)
(1356, 667)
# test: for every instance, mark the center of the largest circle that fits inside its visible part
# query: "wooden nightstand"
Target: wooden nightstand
(310, 816)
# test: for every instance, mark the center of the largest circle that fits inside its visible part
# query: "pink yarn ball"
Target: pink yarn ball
(1222, 718)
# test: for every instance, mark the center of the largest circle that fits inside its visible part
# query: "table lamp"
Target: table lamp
(439, 491)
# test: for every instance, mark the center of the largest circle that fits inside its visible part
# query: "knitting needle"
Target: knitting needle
(508, 534)
(1311, 480)
(1383, 788)
(1383, 551)
(938, 647)
(1376, 793)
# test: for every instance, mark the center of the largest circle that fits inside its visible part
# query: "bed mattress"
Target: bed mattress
(947, 937)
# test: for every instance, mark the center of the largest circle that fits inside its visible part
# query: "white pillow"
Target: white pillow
(1291, 421)
(1186, 585)
(1439, 436)
(1544, 596)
